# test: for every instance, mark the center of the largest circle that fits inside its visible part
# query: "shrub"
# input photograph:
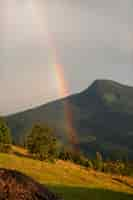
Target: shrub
(5, 148)
(41, 142)
(98, 162)
(5, 133)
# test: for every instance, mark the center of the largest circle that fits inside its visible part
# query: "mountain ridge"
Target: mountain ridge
(94, 84)
(103, 111)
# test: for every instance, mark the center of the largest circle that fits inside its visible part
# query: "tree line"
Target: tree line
(42, 144)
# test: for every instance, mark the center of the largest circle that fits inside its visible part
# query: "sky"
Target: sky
(90, 39)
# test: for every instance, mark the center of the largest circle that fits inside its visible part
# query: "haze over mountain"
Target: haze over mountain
(92, 39)
(102, 118)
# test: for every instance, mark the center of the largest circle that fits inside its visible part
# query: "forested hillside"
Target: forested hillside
(102, 116)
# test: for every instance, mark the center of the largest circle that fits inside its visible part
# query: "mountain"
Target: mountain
(102, 117)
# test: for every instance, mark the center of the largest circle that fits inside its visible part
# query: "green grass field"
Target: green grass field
(71, 181)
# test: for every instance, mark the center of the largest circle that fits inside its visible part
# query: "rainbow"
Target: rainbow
(42, 22)
(63, 92)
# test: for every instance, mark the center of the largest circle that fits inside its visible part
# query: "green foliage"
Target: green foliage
(5, 148)
(90, 164)
(119, 154)
(110, 98)
(68, 153)
(98, 162)
(41, 142)
(5, 134)
(119, 167)
(5, 137)
(115, 167)
(80, 159)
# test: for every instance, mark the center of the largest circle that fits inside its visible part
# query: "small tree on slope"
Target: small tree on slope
(41, 142)
(5, 136)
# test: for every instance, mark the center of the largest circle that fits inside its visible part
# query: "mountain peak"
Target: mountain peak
(103, 82)
(105, 85)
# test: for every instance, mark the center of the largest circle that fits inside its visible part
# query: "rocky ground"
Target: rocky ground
(17, 186)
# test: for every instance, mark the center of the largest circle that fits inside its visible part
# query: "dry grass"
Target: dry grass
(19, 150)
(65, 174)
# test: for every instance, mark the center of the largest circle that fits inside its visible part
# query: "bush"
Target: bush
(41, 142)
(5, 133)
(98, 162)
(118, 167)
(5, 137)
(68, 153)
(90, 164)
(5, 148)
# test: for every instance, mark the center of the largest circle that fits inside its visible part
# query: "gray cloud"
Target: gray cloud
(93, 39)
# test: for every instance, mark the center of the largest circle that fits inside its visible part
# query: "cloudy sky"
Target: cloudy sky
(91, 39)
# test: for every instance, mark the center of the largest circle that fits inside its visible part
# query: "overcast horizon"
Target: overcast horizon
(93, 40)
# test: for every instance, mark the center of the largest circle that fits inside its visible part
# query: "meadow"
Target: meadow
(70, 181)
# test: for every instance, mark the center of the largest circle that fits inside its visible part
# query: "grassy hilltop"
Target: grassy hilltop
(71, 181)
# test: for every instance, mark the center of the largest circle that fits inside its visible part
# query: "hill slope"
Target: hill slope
(70, 181)
(102, 117)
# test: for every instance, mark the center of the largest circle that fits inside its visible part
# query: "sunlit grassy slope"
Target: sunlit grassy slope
(70, 181)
